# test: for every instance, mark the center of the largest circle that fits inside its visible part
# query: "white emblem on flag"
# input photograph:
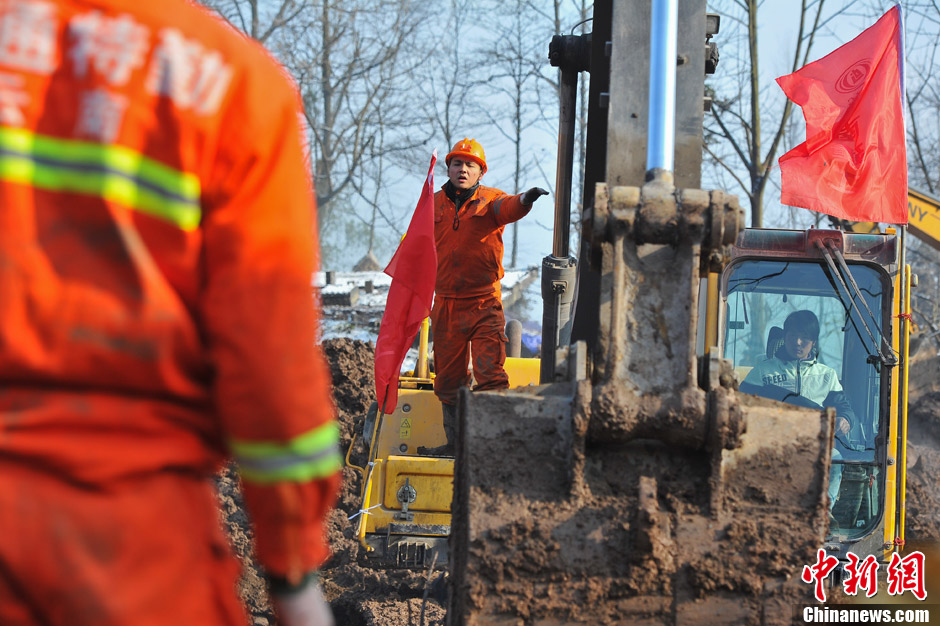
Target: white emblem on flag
(28, 36)
(113, 46)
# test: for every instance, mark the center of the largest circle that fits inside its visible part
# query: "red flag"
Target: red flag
(413, 270)
(853, 163)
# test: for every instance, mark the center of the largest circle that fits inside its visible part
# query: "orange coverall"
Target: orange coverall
(156, 248)
(468, 310)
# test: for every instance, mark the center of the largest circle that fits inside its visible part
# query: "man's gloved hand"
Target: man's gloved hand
(532, 195)
(303, 607)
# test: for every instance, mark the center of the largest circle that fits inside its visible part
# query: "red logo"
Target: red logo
(818, 572)
(907, 574)
(854, 77)
(861, 574)
(904, 574)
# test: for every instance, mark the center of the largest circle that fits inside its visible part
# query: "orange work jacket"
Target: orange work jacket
(157, 240)
(470, 257)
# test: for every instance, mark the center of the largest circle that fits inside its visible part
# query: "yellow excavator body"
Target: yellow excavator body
(404, 520)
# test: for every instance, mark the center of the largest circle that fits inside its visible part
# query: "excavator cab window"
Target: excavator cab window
(839, 370)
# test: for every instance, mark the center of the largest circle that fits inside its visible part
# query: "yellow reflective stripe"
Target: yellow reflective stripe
(114, 189)
(314, 454)
(118, 158)
(115, 173)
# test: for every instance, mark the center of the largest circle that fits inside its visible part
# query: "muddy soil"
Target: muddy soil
(359, 596)
(923, 470)
(365, 597)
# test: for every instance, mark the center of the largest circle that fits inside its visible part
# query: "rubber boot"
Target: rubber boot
(449, 421)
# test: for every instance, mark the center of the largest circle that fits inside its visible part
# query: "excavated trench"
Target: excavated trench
(367, 597)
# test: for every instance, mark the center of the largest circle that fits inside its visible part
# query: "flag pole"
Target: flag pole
(385, 397)
(904, 316)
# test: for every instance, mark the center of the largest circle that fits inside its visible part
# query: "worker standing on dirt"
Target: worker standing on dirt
(156, 248)
(467, 317)
(795, 372)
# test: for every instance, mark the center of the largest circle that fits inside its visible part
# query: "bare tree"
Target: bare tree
(353, 62)
(380, 83)
(738, 144)
(922, 39)
(449, 76)
(565, 17)
(527, 85)
(513, 60)
(258, 19)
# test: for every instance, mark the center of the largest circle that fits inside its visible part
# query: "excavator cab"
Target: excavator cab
(847, 281)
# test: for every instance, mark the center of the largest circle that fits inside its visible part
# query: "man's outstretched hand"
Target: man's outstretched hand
(532, 195)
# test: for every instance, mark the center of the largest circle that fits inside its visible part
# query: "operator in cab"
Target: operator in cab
(795, 375)
(467, 317)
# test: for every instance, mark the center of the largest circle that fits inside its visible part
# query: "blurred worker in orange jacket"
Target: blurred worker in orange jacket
(467, 317)
(156, 249)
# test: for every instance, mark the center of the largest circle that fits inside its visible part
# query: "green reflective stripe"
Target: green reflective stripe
(115, 173)
(314, 454)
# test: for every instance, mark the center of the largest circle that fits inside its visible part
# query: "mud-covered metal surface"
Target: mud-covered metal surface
(566, 529)
(650, 491)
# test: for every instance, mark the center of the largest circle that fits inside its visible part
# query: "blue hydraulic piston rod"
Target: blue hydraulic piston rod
(661, 140)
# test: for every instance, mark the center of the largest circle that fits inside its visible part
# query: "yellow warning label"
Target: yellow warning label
(404, 429)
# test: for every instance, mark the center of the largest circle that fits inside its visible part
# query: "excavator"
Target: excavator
(647, 479)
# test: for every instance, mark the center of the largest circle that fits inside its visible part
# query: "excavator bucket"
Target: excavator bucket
(558, 520)
(618, 533)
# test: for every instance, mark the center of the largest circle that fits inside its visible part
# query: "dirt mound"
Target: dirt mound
(923, 469)
(363, 596)
(252, 588)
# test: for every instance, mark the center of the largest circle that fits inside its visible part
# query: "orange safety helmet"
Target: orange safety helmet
(469, 148)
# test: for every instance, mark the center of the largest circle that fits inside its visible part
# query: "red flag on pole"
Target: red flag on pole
(853, 164)
(413, 270)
